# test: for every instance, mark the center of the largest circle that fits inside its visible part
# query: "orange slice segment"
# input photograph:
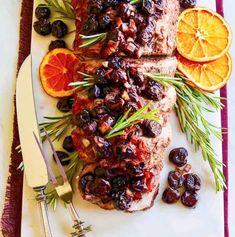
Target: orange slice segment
(56, 72)
(202, 35)
(209, 76)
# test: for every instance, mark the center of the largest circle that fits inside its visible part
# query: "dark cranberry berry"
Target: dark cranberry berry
(106, 90)
(90, 127)
(42, 27)
(148, 7)
(137, 76)
(114, 101)
(188, 3)
(189, 198)
(111, 3)
(105, 21)
(42, 12)
(100, 172)
(125, 151)
(154, 91)
(59, 29)
(104, 148)
(85, 179)
(100, 111)
(131, 107)
(175, 179)
(119, 182)
(100, 73)
(137, 184)
(123, 202)
(170, 195)
(91, 25)
(136, 170)
(68, 144)
(94, 6)
(62, 157)
(178, 156)
(94, 92)
(83, 118)
(192, 182)
(116, 62)
(151, 128)
(100, 187)
(118, 76)
(57, 44)
(114, 194)
(65, 104)
(133, 94)
(139, 19)
(127, 11)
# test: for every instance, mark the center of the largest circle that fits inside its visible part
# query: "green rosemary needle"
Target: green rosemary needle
(56, 126)
(135, 2)
(89, 40)
(63, 7)
(124, 121)
(190, 104)
(87, 81)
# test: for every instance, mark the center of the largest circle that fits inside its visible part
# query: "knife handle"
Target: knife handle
(41, 198)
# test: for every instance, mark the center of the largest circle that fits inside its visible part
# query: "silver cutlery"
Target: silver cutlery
(34, 165)
(64, 190)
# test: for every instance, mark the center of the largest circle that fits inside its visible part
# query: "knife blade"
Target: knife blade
(34, 165)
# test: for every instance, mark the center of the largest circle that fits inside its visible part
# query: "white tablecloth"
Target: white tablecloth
(9, 26)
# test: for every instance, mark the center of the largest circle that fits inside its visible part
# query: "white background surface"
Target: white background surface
(9, 19)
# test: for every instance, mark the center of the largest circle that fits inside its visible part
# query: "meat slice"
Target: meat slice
(139, 171)
(148, 197)
(134, 31)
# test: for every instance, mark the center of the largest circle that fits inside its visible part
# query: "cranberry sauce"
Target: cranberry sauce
(128, 26)
(116, 185)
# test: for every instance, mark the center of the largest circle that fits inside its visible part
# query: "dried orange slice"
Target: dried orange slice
(56, 72)
(202, 35)
(209, 76)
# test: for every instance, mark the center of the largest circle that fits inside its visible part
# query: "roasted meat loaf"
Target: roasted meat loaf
(145, 28)
(123, 171)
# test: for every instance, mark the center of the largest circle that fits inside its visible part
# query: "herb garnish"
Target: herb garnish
(135, 2)
(63, 7)
(124, 122)
(191, 103)
(56, 126)
(87, 81)
(89, 40)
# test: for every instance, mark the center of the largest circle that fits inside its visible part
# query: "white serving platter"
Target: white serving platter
(206, 220)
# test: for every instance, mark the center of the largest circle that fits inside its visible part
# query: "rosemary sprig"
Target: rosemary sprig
(63, 7)
(89, 40)
(56, 126)
(191, 103)
(124, 122)
(72, 169)
(87, 81)
(135, 2)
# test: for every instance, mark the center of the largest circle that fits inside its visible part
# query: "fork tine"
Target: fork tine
(60, 167)
(50, 173)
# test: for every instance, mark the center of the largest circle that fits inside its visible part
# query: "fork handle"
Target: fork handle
(78, 225)
(41, 198)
